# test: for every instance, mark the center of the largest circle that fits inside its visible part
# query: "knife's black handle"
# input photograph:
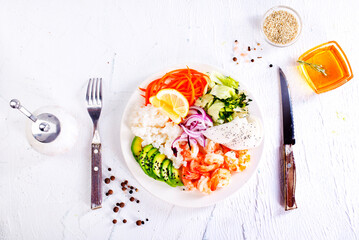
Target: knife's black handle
(289, 178)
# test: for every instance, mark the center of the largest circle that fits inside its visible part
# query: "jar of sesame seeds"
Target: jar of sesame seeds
(281, 26)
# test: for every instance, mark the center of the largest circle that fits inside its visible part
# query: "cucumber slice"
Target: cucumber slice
(136, 147)
(143, 156)
(157, 164)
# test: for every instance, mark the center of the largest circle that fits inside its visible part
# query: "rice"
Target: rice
(155, 128)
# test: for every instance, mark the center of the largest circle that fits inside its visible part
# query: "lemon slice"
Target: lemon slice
(172, 103)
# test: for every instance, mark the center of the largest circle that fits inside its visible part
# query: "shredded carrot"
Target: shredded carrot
(189, 82)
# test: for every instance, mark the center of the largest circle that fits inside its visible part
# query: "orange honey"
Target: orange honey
(332, 58)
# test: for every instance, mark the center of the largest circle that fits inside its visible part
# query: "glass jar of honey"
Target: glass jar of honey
(325, 67)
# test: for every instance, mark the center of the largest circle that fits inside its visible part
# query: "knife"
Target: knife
(288, 141)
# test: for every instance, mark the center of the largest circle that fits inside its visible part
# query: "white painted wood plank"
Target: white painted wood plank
(49, 49)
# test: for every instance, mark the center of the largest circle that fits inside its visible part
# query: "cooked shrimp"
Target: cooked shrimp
(220, 178)
(189, 154)
(206, 168)
(213, 158)
(203, 186)
(189, 174)
(188, 184)
(211, 146)
(231, 161)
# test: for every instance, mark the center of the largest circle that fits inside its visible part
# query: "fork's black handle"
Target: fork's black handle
(96, 176)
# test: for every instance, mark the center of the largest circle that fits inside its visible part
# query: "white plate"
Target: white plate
(176, 195)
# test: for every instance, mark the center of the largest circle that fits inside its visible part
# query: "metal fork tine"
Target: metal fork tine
(88, 91)
(93, 92)
(100, 90)
(96, 92)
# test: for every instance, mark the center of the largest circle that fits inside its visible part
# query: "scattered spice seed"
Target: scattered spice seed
(258, 44)
(235, 40)
(136, 190)
(124, 221)
(107, 194)
(124, 189)
(107, 180)
(115, 209)
(109, 169)
(110, 192)
(234, 59)
(117, 204)
(147, 219)
(123, 184)
(249, 48)
(270, 65)
(122, 204)
(252, 60)
(131, 192)
(131, 187)
(112, 178)
(142, 222)
(259, 57)
(138, 201)
(280, 27)
(114, 221)
(126, 181)
(138, 222)
(254, 49)
(132, 199)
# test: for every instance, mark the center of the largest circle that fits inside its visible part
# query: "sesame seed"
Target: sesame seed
(280, 27)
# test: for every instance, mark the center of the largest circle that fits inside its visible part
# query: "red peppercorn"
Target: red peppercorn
(138, 222)
(115, 209)
(107, 180)
(112, 178)
(122, 204)
(114, 221)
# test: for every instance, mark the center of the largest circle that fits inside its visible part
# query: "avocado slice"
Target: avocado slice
(157, 164)
(136, 147)
(165, 171)
(175, 176)
(149, 160)
(143, 156)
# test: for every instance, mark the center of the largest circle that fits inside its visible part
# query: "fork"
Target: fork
(94, 106)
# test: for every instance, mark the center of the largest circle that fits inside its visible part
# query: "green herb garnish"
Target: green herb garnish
(316, 67)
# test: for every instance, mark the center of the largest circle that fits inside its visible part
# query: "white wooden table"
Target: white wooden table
(49, 49)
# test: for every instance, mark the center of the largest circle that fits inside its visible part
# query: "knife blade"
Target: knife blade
(288, 141)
